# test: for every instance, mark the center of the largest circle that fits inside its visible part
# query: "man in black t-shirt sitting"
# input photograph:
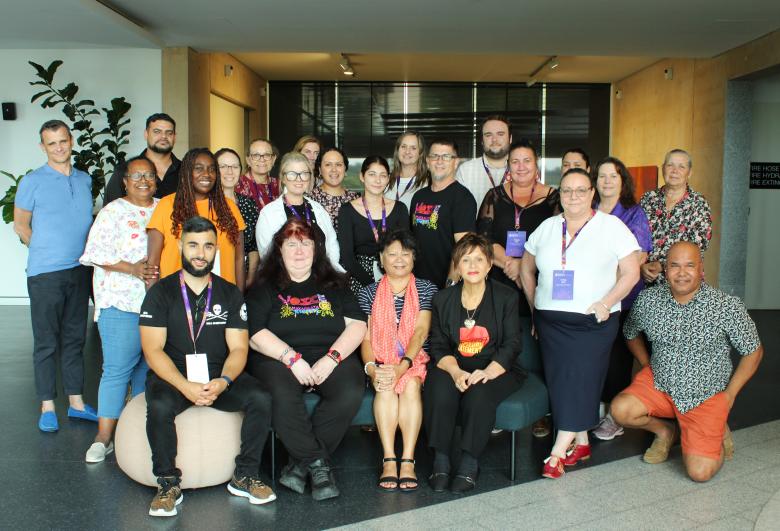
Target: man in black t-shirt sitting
(194, 337)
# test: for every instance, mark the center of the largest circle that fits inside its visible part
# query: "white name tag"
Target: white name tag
(377, 272)
(216, 269)
(197, 368)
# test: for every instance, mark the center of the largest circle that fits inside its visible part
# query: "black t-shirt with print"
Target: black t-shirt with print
(435, 219)
(163, 307)
(303, 315)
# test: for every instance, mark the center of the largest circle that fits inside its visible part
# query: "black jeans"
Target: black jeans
(305, 438)
(164, 402)
(58, 311)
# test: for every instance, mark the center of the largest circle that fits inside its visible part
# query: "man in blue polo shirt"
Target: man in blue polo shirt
(52, 216)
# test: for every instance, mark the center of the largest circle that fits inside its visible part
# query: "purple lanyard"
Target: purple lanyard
(371, 221)
(519, 212)
(188, 309)
(564, 247)
(490, 175)
(295, 212)
(398, 186)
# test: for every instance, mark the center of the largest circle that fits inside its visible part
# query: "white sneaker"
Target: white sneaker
(607, 429)
(98, 451)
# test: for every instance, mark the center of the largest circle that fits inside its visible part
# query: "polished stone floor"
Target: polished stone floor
(48, 486)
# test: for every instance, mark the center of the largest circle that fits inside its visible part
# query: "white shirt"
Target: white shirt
(273, 216)
(593, 257)
(407, 197)
(473, 176)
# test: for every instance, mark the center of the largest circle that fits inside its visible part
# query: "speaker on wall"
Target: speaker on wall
(9, 111)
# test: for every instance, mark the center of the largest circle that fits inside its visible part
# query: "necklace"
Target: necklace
(469, 322)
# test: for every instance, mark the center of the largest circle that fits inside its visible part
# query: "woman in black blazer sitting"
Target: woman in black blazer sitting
(475, 339)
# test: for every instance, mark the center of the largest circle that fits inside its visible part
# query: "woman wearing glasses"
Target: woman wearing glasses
(364, 220)
(199, 194)
(229, 164)
(257, 182)
(296, 174)
(587, 264)
(331, 166)
(116, 247)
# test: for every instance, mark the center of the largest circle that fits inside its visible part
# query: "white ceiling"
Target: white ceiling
(638, 32)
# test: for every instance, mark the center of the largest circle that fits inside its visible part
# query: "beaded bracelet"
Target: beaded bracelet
(293, 360)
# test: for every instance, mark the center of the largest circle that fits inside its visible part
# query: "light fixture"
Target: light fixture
(346, 66)
(552, 63)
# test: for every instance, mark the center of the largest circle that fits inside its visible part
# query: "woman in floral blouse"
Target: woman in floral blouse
(117, 248)
(331, 167)
(676, 213)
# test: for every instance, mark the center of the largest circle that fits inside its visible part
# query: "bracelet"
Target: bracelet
(284, 352)
(407, 358)
(365, 367)
(228, 380)
(293, 360)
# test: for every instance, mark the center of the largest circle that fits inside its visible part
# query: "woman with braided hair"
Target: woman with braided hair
(199, 194)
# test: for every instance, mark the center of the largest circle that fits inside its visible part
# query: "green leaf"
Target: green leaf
(33, 83)
(85, 103)
(69, 91)
(48, 102)
(39, 70)
(52, 70)
(70, 111)
(80, 125)
(38, 95)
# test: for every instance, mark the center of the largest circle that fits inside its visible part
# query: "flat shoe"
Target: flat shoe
(88, 413)
(439, 481)
(463, 484)
(98, 451)
(48, 422)
(659, 450)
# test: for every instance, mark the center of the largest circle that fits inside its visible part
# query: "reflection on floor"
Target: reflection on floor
(48, 485)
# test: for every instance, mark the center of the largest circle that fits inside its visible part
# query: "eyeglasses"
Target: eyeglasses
(199, 168)
(260, 156)
(297, 175)
(446, 157)
(231, 167)
(146, 176)
(575, 192)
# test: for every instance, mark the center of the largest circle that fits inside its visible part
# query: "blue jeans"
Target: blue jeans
(122, 360)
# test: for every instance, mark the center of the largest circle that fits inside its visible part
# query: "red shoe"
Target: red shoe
(553, 471)
(581, 452)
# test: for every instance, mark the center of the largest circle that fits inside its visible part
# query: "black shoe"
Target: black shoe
(294, 476)
(323, 484)
(463, 483)
(439, 481)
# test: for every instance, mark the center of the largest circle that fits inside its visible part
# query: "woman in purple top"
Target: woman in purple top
(615, 195)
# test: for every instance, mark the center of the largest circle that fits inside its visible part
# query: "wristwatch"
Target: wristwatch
(335, 355)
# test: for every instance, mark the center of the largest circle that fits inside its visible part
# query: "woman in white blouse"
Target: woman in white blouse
(116, 246)
(587, 263)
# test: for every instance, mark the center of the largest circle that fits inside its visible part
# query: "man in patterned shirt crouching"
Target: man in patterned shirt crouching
(692, 327)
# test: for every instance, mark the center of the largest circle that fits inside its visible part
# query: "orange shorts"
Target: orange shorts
(701, 428)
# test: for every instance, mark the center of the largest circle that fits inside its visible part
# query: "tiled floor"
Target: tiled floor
(624, 494)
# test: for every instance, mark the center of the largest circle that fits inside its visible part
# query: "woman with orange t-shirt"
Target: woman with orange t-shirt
(199, 194)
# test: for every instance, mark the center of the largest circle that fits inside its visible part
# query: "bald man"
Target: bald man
(692, 328)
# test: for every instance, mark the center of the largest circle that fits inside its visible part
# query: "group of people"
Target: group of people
(243, 291)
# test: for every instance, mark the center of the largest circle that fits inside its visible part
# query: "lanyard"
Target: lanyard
(565, 247)
(295, 212)
(257, 191)
(188, 309)
(371, 221)
(519, 212)
(398, 186)
(490, 175)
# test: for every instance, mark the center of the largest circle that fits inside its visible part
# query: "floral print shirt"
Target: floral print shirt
(689, 220)
(691, 343)
(118, 234)
(332, 203)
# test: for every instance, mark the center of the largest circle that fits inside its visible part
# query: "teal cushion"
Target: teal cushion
(364, 416)
(525, 406)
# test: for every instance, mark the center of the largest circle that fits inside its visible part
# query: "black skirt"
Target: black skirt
(576, 350)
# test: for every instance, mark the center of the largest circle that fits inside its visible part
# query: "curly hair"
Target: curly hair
(184, 201)
(274, 273)
(627, 188)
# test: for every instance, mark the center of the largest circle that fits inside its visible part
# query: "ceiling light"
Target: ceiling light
(346, 66)
(552, 63)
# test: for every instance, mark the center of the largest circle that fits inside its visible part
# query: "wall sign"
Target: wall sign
(765, 175)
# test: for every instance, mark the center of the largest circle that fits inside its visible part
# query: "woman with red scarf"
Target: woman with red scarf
(394, 353)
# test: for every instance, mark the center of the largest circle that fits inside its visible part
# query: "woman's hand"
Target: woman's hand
(650, 271)
(600, 310)
(322, 368)
(304, 373)
(384, 378)
(149, 272)
(461, 379)
(478, 376)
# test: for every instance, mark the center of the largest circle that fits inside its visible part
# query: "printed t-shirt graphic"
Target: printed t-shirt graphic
(314, 305)
(472, 340)
(427, 215)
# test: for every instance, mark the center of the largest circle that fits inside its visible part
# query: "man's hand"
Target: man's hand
(213, 389)
(194, 392)
(322, 368)
(650, 271)
(512, 268)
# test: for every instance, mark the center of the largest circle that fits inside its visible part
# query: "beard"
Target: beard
(194, 271)
(497, 154)
(161, 150)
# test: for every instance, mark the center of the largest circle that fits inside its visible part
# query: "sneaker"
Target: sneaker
(323, 484)
(98, 451)
(496, 431)
(294, 476)
(252, 488)
(167, 498)
(608, 429)
(553, 471)
(580, 452)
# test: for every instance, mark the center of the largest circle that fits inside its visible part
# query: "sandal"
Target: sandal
(388, 479)
(411, 483)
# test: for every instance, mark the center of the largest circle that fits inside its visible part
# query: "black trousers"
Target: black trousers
(164, 402)
(444, 407)
(621, 364)
(309, 438)
(58, 311)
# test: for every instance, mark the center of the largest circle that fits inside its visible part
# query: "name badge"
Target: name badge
(515, 243)
(563, 285)
(216, 269)
(197, 368)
